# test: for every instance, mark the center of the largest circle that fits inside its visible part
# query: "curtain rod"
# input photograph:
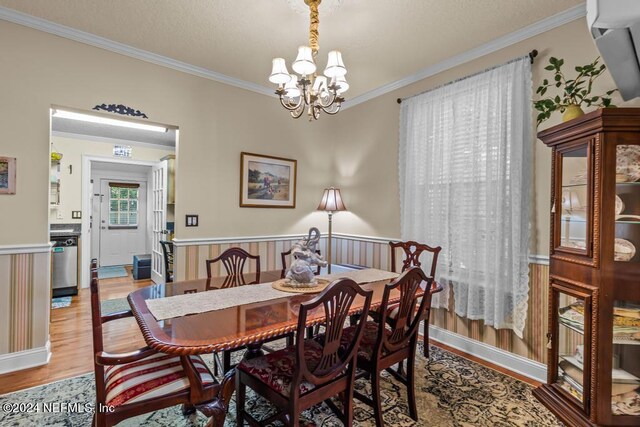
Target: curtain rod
(531, 55)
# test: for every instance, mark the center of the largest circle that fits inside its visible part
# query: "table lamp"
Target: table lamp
(331, 202)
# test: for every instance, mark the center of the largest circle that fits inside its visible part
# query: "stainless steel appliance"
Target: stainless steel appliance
(64, 264)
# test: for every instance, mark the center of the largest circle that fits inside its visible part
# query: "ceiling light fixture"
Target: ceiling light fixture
(310, 92)
(62, 114)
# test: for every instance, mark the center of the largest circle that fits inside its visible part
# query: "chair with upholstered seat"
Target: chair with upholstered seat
(167, 252)
(383, 345)
(140, 381)
(309, 372)
(412, 251)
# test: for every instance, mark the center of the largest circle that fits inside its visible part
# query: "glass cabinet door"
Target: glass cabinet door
(627, 204)
(625, 375)
(573, 201)
(572, 346)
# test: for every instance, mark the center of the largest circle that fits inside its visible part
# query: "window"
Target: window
(123, 204)
(465, 174)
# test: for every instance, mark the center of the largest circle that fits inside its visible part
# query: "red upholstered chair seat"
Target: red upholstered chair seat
(368, 342)
(276, 369)
(154, 376)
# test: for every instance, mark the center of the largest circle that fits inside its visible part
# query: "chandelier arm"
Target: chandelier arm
(328, 104)
(333, 112)
(296, 114)
(288, 105)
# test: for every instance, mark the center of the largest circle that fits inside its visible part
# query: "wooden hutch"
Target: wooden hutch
(594, 298)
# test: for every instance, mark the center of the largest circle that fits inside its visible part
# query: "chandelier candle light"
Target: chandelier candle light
(309, 91)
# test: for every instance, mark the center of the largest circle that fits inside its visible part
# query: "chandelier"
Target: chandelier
(309, 91)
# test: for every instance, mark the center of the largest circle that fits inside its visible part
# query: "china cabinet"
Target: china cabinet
(593, 366)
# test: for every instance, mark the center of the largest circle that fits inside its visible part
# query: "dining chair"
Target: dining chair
(412, 251)
(283, 257)
(140, 381)
(234, 260)
(311, 371)
(167, 252)
(384, 345)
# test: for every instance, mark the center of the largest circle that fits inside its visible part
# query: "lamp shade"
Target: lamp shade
(331, 200)
(304, 64)
(342, 82)
(279, 74)
(335, 66)
(291, 88)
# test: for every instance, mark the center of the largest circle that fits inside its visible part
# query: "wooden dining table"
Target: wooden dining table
(231, 328)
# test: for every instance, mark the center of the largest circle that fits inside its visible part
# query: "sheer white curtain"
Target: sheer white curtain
(465, 164)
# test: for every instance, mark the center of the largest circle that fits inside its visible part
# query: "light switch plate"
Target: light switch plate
(76, 214)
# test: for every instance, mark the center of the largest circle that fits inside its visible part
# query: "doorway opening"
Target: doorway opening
(112, 189)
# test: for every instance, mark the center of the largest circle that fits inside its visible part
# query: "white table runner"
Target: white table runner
(219, 299)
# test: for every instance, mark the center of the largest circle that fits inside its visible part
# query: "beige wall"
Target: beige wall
(216, 123)
(71, 182)
(366, 139)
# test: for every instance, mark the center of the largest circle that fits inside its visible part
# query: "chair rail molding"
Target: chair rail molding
(29, 248)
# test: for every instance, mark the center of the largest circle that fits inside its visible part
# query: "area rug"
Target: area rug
(60, 302)
(112, 272)
(109, 306)
(451, 391)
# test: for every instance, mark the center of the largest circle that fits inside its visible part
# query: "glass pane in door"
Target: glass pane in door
(627, 205)
(574, 199)
(625, 375)
(572, 354)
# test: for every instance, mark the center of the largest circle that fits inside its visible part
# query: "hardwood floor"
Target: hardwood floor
(72, 347)
(71, 341)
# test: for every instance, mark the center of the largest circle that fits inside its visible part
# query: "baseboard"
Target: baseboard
(25, 359)
(517, 364)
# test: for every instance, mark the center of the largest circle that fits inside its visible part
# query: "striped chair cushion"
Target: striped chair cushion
(152, 377)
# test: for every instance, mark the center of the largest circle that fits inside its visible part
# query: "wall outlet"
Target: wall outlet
(60, 215)
(76, 214)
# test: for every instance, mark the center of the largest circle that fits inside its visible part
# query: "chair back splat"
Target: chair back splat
(336, 301)
(404, 327)
(412, 251)
(167, 252)
(234, 260)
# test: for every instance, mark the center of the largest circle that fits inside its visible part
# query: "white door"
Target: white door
(123, 221)
(158, 219)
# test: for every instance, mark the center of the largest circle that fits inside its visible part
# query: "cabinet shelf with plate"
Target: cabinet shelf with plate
(594, 301)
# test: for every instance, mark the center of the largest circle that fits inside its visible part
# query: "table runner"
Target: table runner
(219, 299)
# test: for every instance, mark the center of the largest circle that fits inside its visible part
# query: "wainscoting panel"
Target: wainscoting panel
(24, 306)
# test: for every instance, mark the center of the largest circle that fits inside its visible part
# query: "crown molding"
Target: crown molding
(532, 30)
(123, 49)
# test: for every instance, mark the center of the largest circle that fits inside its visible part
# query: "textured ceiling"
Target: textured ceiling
(382, 41)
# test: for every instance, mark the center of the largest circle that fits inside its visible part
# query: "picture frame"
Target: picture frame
(267, 181)
(7, 175)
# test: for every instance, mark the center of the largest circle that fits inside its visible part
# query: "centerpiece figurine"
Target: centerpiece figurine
(301, 274)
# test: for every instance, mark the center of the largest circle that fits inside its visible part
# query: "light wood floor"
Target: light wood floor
(71, 337)
(72, 345)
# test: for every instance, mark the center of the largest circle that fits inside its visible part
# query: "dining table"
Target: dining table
(245, 324)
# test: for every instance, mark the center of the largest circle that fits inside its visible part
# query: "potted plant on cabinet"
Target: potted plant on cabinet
(576, 92)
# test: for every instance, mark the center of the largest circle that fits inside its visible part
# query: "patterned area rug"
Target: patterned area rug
(112, 272)
(60, 302)
(114, 305)
(451, 391)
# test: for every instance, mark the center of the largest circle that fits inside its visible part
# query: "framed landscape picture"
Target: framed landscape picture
(267, 181)
(7, 175)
